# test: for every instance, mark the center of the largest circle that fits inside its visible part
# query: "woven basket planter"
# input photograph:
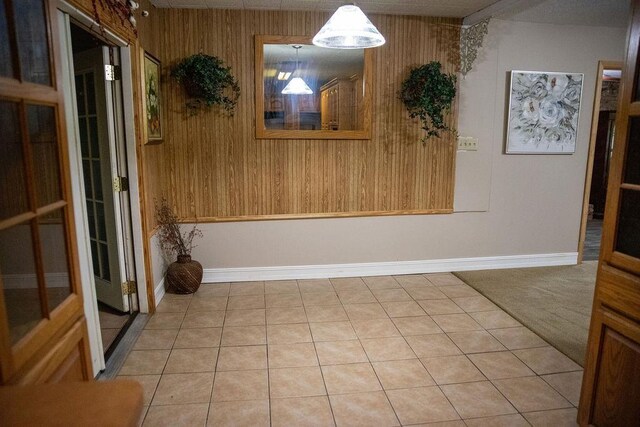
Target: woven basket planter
(184, 276)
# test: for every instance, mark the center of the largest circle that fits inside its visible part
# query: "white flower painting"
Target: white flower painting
(543, 112)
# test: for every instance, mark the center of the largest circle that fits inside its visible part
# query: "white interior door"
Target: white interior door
(99, 131)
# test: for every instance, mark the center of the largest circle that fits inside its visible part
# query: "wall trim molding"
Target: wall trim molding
(159, 291)
(216, 275)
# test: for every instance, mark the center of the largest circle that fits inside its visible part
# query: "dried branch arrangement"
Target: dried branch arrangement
(171, 238)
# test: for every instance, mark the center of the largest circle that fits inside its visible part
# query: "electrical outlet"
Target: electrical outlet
(467, 143)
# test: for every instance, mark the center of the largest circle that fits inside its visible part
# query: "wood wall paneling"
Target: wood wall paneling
(211, 167)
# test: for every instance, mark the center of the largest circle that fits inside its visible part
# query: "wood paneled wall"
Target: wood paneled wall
(212, 168)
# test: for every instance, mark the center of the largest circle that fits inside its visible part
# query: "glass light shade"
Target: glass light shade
(297, 86)
(348, 28)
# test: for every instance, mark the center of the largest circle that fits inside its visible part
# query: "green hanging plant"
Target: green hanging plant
(207, 82)
(428, 94)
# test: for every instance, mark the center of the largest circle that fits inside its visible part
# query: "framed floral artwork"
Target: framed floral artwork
(151, 99)
(543, 112)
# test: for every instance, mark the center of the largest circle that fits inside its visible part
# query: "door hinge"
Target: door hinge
(120, 183)
(112, 72)
(129, 287)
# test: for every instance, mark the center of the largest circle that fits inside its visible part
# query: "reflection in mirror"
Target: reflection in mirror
(334, 77)
(311, 89)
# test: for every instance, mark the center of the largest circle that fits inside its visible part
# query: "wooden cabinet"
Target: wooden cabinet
(338, 106)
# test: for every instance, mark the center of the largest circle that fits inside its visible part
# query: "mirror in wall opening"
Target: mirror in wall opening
(313, 92)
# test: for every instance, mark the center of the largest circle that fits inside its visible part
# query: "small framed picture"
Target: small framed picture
(543, 112)
(152, 99)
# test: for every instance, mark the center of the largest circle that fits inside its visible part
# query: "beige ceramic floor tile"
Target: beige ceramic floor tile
(145, 362)
(332, 331)
(213, 290)
(419, 325)
(148, 383)
(242, 358)
(512, 420)
(246, 302)
(556, 418)
(439, 306)
(425, 293)
(567, 384)
(397, 374)
(176, 389)
(320, 299)
(381, 282)
(168, 305)
(421, 405)
(250, 413)
(363, 409)
(433, 345)
(333, 313)
(377, 328)
(412, 280)
(365, 311)
(478, 399)
(315, 285)
(383, 349)
(203, 319)
(452, 369)
(156, 339)
(348, 284)
(244, 335)
(443, 279)
(459, 291)
(284, 300)
(518, 338)
(473, 304)
(247, 288)
(292, 355)
(296, 382)
(403, 309)
(531, 394)
(241, 385)
(546, 360)
(281, 316)
(356, 297)
(185, 360)
(301, 411)
(352, 378)
(340, 352)
(281, 287)
(288, 334)
(198, 337)
(253, 317)
(208, 304)
(499, 365)
(456, 322)
(176, 415)
(495, 319)
(476, 342)
(388, 295)
(165, 321)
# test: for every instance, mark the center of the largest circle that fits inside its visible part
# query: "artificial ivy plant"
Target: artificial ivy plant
(428, 93)
(208, 82)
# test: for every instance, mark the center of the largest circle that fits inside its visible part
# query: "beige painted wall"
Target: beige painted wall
(505, 205)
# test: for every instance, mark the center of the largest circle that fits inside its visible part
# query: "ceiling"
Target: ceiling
(604, 13)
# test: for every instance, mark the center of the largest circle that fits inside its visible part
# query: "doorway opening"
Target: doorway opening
(600, 150)
(99, 123)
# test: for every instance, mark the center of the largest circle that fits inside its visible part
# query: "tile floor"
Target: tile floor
(371, 351)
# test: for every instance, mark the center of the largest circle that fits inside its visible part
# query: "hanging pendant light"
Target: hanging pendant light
(348, 28)
(297, 86)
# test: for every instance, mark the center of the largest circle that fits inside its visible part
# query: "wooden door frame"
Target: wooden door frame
(128, 53)
(602, 65)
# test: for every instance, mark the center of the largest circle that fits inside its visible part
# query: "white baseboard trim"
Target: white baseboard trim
(216, 275)
(30, 281)
(159, 291)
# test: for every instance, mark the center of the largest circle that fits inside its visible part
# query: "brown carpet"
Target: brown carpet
(554, 302)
